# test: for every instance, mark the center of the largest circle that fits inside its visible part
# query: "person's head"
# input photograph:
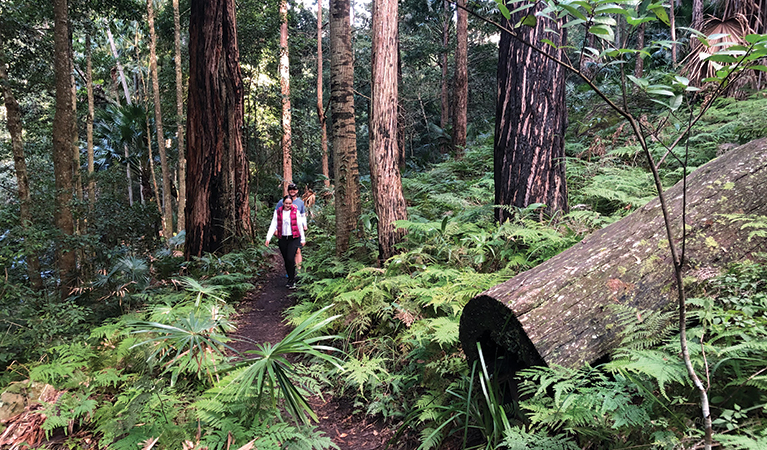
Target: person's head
(287, 202)
(292, 190)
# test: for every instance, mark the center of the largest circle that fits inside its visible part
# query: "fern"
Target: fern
(519, 439)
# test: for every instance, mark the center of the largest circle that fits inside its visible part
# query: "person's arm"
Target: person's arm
(301, 231)
(302, 210)
(272, 228)
(303, 222)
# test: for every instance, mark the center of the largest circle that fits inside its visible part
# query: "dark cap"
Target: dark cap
(292, 186)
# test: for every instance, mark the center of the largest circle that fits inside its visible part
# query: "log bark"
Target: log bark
(559, 312)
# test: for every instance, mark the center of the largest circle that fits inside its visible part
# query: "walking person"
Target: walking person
(299, 203)
(286, 224)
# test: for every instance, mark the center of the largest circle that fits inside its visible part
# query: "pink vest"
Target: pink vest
(293, 221)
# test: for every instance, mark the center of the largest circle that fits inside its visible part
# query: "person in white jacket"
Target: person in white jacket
(287, 225)
(299, 203)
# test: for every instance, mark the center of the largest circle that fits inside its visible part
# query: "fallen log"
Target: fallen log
(558, 312)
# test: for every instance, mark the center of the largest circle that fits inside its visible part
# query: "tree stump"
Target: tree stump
(558, 312)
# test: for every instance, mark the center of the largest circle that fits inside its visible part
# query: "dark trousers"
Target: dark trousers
(288, 248)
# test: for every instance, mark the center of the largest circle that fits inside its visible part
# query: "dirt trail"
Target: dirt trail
(260, 320)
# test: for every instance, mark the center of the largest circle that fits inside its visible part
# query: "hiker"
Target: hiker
(286, 224)
(293, 193)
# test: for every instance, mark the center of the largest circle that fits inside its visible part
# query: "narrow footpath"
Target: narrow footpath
(260, 319)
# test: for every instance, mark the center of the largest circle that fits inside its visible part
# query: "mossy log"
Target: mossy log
(558, 312)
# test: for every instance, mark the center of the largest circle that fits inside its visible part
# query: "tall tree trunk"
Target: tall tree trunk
(400, 113)
(697, 14)
(444, 116)
(181, 202)
(639, 67)
(384, 170)
(89, 123)
(320, 105)
(63, 120)
(529, 165)
(152, 174)
(77, 181)
(167, 199)
(124, 83)
(218, 209)
(287, 133)
(345, 168)
(672, 20)
(461, 83)
(13, 119)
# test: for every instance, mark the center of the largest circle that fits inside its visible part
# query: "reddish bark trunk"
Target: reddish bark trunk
(63, 124)
(384, 152)
(218, 210)
(320, 106)
(287, 132)
(461, 82)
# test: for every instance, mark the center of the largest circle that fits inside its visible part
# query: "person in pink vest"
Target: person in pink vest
(287, 225)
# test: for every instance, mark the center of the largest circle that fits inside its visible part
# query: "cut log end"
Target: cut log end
(506, 348)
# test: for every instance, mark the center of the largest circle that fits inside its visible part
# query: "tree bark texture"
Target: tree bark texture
(384, 169)
(167, 198)
(697, 14)
(13, 119)
(89, 123)
(559, 312)
(639, 67)
(218, 209)
(320, 104)
(531, 117)
(345, 167)
(287, 131)
(63, 125)
(181, 202)
(461, 81)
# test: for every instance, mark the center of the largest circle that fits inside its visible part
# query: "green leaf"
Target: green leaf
(603, 31)
(728, 59)
(504, 10)
(675, 102)
(759, 68)
(639, 20)
(610, 8)
(660, 13)
(523, 7)
(574, 12)
(660, 91)
(605, 20)
(547, 41)
(755, 38)
(529, 20)
(641, 82)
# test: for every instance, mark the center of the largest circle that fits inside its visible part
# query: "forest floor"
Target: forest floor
(260, 319)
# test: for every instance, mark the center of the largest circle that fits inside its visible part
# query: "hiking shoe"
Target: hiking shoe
(292, 286)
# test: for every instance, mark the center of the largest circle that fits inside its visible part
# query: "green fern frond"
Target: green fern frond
(642, 329)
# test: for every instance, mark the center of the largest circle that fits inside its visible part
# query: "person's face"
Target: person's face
(287, 203)
(293, 192)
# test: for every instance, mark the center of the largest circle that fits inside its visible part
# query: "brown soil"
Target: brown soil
(261, 320)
